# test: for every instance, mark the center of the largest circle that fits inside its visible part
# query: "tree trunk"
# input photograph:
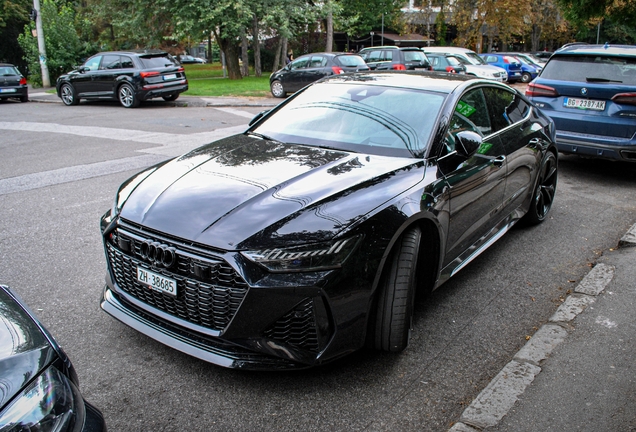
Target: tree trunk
(329, 45)
(210, 59)
(230, 49)
(283, 52)
(245, 69)
(257, 48)
(277, 55)
(536, 37)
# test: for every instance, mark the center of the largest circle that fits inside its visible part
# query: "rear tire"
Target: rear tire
(394, 314)
(277, 89)
(127, 97)
(526, 78)
(544, 192)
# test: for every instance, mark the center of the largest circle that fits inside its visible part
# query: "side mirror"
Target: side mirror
(257, 117)
(467, 143)
(83, 69)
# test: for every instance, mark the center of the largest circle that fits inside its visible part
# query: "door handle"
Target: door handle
(499, 160)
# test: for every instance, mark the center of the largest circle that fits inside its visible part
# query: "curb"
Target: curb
(499, 396)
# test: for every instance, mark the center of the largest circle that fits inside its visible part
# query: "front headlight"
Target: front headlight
(313, 257)
(50, 403)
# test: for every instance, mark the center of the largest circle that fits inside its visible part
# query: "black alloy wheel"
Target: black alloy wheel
(544, 193)
(277, 89)
(127, 96)
(394, 315)
(67, 92)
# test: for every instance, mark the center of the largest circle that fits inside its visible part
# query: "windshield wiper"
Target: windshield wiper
(591, 79)
(259, 135)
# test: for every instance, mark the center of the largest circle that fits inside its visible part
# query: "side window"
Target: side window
(505, 107)
(299, 63)
(388, 56)
(111, 62)
(375, 56)
(93, 63)
(317, 61)
(126, 63)
(471, 113)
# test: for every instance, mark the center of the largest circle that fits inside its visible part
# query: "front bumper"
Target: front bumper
(231, 313)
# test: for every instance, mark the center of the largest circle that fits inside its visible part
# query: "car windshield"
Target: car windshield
(351, 60)
(475, 59)
(357, 117)
(8, 70)
(592, 68)
(151, 62)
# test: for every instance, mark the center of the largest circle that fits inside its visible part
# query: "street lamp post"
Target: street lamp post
(372, 33)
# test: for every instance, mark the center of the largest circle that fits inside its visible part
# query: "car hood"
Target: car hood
(24, 349)
(243, 192)
(489, 68)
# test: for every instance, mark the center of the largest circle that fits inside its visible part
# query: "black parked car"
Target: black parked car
(395, 58)
(12, 83)
(446, 63)
(306, 237)
(311, 67)
(39, 387)
(127, 76)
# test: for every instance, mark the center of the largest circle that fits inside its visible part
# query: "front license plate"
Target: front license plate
(7, 90)
(586, 104)
(169, 77)
(156, 281)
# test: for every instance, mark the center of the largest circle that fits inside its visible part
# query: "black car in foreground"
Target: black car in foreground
(12, 83)
(312, 67)
(127, 76)
(39, 389)
(305, 238)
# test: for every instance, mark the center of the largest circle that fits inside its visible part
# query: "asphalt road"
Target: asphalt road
(59, 170)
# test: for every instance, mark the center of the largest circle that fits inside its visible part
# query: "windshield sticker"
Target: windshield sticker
(464, 109)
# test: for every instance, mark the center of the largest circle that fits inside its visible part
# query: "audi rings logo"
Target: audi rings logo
(158, 254)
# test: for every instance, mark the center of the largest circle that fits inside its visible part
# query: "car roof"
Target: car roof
(138, 52)
(582, 49)
(434, 81)
(6, 65)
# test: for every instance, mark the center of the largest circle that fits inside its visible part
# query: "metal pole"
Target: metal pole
(382, 44)
(46, 81)
(598, 32)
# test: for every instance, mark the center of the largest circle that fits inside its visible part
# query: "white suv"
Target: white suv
(475, 65)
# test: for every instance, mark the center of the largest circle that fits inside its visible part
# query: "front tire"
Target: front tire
(526, 78)
(68, 95)
(277, 89)
(394, 314)
(544, 192)
(127, 97)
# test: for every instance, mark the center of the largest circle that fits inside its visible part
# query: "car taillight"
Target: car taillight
(148, 74)
(23, 81)
(540, 90)
(399, 67)
(337, 70)
(625, 98)
(450, 69)
(180, 69)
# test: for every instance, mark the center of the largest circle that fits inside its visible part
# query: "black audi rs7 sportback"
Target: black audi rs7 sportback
(306, 237)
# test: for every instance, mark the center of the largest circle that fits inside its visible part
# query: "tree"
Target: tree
(63, 45)
(14, 15)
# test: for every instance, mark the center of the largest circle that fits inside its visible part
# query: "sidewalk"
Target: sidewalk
(41, 95)
(577, 373)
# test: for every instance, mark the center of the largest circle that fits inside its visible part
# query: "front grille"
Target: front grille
(297, 327)
(209, 291)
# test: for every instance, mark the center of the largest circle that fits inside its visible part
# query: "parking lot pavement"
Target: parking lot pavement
(45, 95)
(576, 372)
